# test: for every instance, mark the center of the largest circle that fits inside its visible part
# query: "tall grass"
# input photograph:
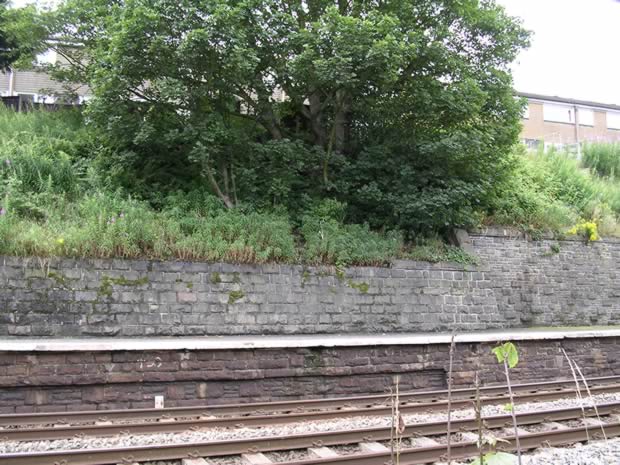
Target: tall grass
(552, 191)
(603, 158)
(38, 150)
(107, 225)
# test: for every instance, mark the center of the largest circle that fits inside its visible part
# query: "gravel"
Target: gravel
(593, 453)
(213, 434)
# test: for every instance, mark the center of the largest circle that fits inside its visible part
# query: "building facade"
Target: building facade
(33, 86)
(563, 122)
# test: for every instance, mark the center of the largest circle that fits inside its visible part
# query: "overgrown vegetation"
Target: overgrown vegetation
(398, 125)
(554, 192)
(56, 200)
(603, 158)
(402, 110)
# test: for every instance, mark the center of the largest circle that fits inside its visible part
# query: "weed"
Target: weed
(554, 249)
(234, 296)
(215, 278)
(603, 158)
(107, 282)
(305, 276)
(508, 355)
(435, 250)
(362, 287)
(60, 279)
(397, 423)
(448, 432)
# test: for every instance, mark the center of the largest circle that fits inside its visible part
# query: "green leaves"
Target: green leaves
(404, 114)
(507, 352)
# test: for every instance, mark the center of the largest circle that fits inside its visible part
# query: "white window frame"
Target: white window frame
(614, 121)
(558, 113)
(586, 116)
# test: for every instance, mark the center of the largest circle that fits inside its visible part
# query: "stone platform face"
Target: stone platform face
(52, 377)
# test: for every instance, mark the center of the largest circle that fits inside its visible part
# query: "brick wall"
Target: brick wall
(50, 381)
(518, 283)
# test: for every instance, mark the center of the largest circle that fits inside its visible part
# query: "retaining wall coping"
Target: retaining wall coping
(299, 341)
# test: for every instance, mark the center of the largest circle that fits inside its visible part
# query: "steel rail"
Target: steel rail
(60, 432)
(279, 406)
(302, 441)
(462, 450)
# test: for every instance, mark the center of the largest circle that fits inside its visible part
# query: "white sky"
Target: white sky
(575, 49)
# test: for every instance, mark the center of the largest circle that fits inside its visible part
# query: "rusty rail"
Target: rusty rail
(60, 432)
(288, 442)
(462, 396)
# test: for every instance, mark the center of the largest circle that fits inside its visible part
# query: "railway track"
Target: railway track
(368, 439)
(233, 414)
(175, 420)
(372, 443)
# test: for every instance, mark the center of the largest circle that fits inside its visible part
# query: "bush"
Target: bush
(526, 198)
(551, 192)
(603, 158)
(328, 240)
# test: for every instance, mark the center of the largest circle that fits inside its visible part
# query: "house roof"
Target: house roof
(570, 101)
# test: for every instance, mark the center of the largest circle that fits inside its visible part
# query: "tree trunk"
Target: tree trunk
(224, 197)
(316, 120)
(341, 122)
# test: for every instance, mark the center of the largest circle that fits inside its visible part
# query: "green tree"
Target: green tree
(9, 52)
(22, 35)
(402, 108)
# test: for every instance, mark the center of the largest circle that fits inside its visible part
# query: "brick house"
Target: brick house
(561, 121)
(37, 87)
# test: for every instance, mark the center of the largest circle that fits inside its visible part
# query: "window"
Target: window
(586, 117)
(526, 111)
(613, 119)
(558, 113)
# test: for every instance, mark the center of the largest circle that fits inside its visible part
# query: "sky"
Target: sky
(574, 52)
(575, 49)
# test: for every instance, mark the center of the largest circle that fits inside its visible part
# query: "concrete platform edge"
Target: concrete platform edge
(295, 341)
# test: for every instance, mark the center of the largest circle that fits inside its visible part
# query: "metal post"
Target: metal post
(577, 141)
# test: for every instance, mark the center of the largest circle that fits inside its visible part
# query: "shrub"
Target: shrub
(587, 229)
(328, 240)
(603, 158)
(39, 147)
(551, 191)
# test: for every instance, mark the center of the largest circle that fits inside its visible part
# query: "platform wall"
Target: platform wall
(518, 283)
(79, 380)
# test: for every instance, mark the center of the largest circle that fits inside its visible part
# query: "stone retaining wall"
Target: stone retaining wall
(518, 283)
(55, 381)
